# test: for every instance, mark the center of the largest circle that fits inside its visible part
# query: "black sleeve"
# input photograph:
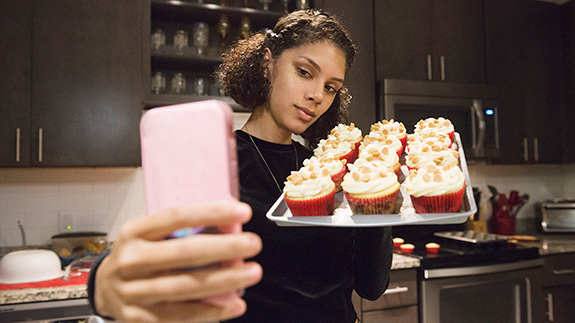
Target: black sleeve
(373, 253)
(92, 282)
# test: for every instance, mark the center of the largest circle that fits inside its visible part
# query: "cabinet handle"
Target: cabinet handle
(536, 149)
(442, 62)
(525, 149)
(429, 71)
(564, 272)
(40, 145)
(17, 145)
(549, 313)
(396, 290)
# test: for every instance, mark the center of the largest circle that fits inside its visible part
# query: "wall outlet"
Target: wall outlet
(65, 221)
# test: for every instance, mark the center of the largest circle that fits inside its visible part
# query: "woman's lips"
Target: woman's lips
(305, 114)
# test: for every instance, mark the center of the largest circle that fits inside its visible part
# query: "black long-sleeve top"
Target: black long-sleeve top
(309, 272)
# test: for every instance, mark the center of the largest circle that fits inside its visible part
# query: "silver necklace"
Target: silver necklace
(264, 160)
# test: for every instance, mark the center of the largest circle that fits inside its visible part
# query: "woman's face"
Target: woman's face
(304, 82)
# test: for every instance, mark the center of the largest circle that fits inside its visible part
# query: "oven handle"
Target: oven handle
(479, 138)
(480, 270)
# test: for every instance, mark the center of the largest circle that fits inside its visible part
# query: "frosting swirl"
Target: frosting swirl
(426, 155)
(333, 146)
(332, 164)
(432, 181)
(366, 179)
(380, 154)
(346, 133)
(441, 124)
(308, 182)
(392, 142)
(390, 127)
(429, 137)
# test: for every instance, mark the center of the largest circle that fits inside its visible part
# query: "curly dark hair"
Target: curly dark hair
(241, 73)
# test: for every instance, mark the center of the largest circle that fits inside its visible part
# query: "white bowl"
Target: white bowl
(26, 266)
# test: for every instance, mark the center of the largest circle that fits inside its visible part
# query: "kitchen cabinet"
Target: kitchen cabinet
(559, 287)
(430, 40)
(358, 19)
(569, 36)
(398, 303)
(224, 25)
(15, 71)
(526, 65)
(72, 88)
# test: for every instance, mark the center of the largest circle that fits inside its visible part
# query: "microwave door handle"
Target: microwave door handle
(478, 142)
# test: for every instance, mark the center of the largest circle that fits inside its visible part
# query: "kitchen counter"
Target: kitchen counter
(79, 291)
(551, 244)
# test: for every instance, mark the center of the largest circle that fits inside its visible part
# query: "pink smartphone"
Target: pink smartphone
(189, 156)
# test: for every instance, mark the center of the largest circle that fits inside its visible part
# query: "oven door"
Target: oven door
(505, 293)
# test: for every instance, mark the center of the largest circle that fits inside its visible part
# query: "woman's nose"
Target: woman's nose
(315, 94)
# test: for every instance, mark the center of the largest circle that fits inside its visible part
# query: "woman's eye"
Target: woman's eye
(330, 89)
(303, 72)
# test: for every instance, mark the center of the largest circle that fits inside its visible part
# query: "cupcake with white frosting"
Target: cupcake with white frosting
(310, 191)
(436, 155)
(391, 127)
(440, 124)
(428, 137)
(435, 189)
(370, 189)
(390, 141)
(332, 146)
(381, 155)
(335, 167)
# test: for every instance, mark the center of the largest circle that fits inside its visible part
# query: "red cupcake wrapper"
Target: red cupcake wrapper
(403, 141)
(323, 205)
(338, 178)
(448, 203)
(377, 205)
(350, 156)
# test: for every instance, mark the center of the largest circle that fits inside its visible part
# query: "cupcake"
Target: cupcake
(310, 191)
(435, 155)
(331, 146)
(370, 189)
(335, 167)
(428, 137)
(379, 154)
(393, 128)
(441, 124)
(435, 189)
(390, 141)
(347, 133)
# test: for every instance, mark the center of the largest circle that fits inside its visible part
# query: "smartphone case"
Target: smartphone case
(188, 155)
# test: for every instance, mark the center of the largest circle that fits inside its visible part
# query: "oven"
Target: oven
(471, 108)
(477, 278)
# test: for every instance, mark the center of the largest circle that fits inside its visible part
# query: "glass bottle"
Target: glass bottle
(158, 83)
(180, 41)
(178, 83)
(158, 39)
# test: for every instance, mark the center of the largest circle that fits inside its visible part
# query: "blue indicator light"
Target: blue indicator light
(489, 112)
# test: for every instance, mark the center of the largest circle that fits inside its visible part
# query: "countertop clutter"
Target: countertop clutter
(547, 244)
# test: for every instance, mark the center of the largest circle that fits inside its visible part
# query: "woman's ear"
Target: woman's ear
(267, 57)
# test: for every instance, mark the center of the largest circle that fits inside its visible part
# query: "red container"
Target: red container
(503, 225)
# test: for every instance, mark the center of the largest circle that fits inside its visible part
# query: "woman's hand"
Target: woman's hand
(144, 277)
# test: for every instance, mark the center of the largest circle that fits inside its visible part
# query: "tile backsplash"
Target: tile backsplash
(101, 199)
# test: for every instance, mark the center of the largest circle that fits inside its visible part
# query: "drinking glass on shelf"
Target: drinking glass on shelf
(302, 4)
(200, 34)
(158, 39)
(158, 83)
(245, 27)
(180, 41)
(266, 4)
(178, 83)
(200, 86)
(223, 29)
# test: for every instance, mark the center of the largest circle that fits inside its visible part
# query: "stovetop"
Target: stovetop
(457, 250)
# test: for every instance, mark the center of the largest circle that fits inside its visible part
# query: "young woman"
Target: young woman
(292, 79)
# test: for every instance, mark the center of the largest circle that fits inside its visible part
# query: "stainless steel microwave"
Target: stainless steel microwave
(557, 215)
(471, 108)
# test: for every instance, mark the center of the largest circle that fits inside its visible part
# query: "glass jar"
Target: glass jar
(178, 83)
(200, 34)
(180, 41)
(158, 83)
(200, 86)
(158, 40)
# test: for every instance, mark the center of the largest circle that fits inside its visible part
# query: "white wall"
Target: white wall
(102, 199)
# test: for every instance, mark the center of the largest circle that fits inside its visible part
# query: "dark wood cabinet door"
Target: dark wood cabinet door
(15, 71)
(458, 41)
(86, 87)
(358, 19)
(559, 303)
(403, 39)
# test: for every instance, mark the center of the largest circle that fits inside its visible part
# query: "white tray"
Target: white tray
(406, 215)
